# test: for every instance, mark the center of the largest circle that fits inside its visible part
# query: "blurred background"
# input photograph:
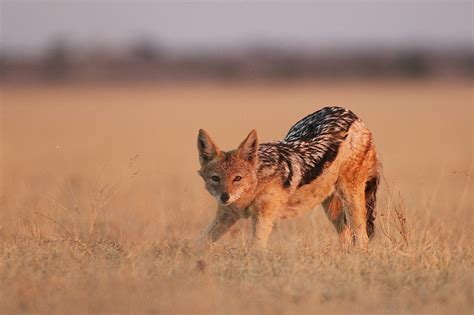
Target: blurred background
(88, 86)
(234, 40)
(100, 105)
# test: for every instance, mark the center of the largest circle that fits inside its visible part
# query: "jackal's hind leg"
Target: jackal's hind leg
(354, 200)
(333, 207)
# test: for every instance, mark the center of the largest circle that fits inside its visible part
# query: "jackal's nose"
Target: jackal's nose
(224, 197)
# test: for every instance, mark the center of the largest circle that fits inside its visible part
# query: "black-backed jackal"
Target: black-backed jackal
(326, 158)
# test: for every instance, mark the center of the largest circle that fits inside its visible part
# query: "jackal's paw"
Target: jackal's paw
(258, 246)
(202, 243)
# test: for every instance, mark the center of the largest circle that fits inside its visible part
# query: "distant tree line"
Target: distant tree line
(145, 60)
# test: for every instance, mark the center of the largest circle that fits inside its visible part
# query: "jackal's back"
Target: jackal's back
(311, 144)
(325, 124)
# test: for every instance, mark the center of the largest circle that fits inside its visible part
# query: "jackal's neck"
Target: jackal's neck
(247, 198)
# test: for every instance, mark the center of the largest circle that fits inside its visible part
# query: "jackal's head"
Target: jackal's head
(229, 176)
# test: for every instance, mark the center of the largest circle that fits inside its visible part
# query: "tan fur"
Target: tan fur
(340, 188)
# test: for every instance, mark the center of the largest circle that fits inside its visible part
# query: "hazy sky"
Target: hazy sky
(29, 25)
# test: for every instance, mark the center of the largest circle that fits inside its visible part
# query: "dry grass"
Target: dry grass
(100, 203)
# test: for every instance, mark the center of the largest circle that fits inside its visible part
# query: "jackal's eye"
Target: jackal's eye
(215, 178)
(237, 178)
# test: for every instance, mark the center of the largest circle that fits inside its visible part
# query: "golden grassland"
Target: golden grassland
(100, 202)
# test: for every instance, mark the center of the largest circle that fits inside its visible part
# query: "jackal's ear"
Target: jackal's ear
(206, 147)
(248, 149)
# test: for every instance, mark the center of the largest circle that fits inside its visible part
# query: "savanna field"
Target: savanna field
(101, 203)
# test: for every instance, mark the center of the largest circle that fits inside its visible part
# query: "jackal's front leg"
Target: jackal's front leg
(262, 227)
(223, 221)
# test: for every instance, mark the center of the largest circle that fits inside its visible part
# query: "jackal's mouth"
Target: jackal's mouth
(227, 203)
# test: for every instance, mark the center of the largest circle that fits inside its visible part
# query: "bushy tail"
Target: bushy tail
(370, 202)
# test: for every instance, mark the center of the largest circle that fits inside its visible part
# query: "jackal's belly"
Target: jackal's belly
(311, 195)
